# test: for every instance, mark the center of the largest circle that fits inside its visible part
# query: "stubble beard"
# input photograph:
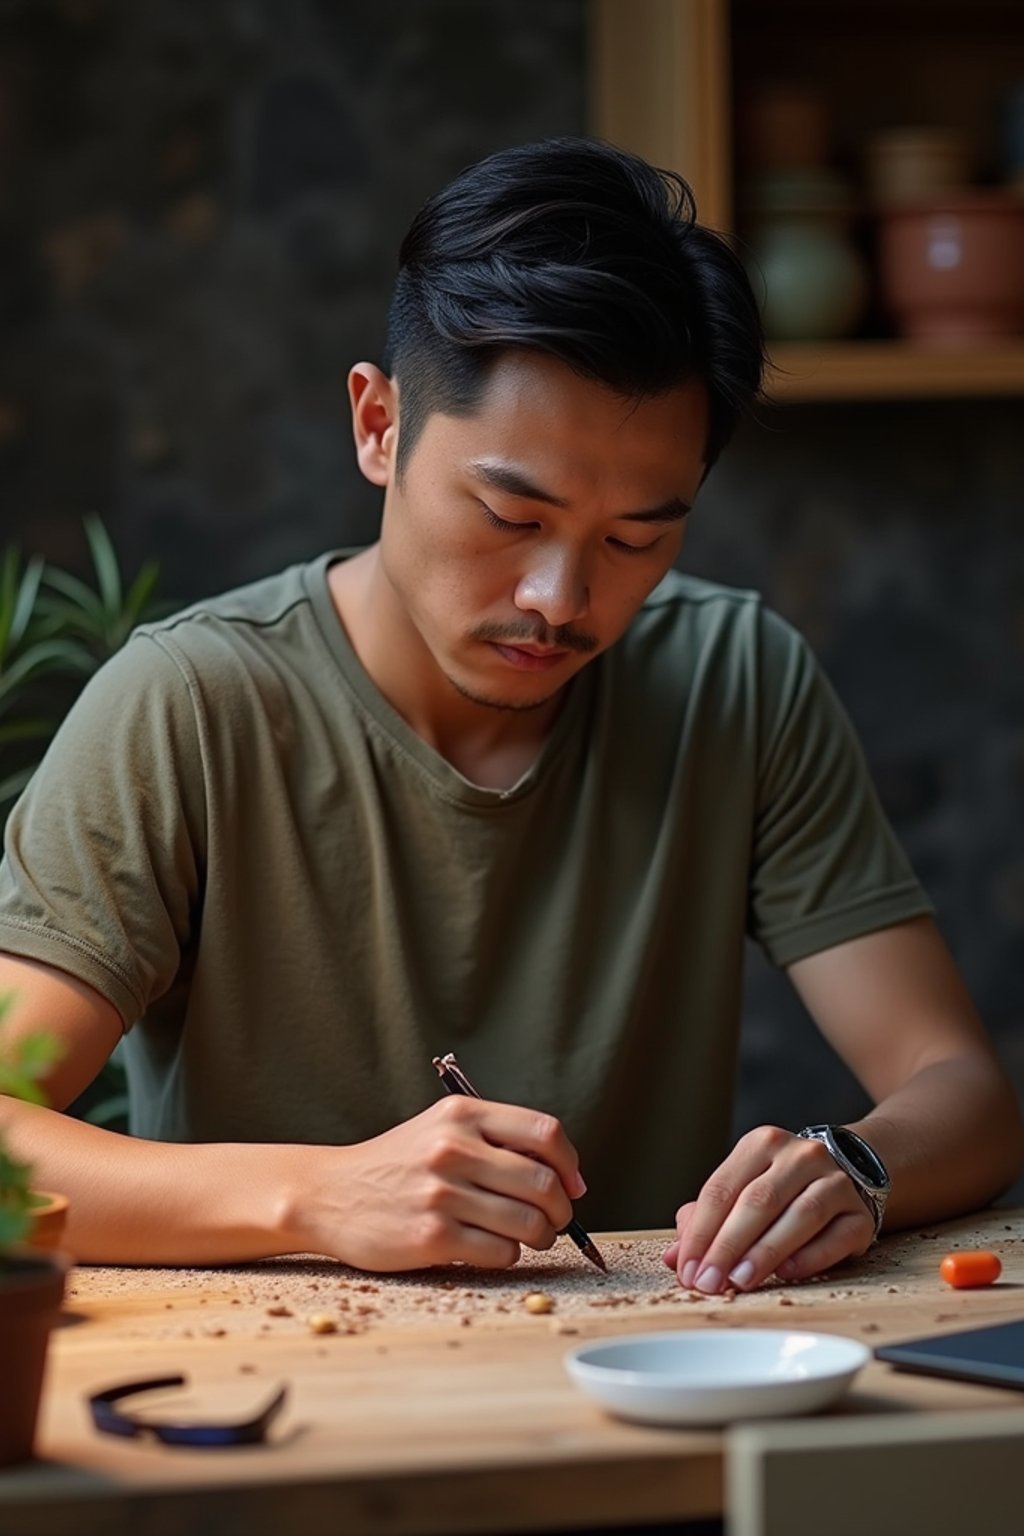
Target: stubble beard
(517, 706)
(511, 634)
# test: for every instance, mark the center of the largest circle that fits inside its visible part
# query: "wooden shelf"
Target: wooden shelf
(662, 81)
(880, 370)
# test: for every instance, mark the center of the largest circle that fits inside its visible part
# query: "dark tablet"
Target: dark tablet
(994, 1355)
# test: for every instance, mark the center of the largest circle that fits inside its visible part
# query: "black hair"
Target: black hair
(585, 252)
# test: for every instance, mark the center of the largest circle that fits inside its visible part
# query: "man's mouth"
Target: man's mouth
(530, 658)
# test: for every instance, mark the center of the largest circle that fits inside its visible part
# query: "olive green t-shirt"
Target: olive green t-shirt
(294, 902)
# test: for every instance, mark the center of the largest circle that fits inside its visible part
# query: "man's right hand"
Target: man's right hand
(468, 1179)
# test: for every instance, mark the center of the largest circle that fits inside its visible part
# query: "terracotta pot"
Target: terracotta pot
(31, 1290)
(952, 268)
(48, 1216)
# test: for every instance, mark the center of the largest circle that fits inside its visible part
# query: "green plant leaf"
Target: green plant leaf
(8, 594)
(38, 1053)
(25, 730)
(79, 593)
(46, 656)
(140, 595)
(22, 1068)
(14, 1222)
(25, 602)
(108, 572)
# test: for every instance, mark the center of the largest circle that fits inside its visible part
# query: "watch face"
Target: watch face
(861, 1156)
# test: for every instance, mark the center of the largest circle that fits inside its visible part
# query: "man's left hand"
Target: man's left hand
(778, 1205)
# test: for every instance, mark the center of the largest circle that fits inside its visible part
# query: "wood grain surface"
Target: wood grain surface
(447, 1410)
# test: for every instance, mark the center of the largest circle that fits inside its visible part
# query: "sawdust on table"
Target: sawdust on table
(310, 1294)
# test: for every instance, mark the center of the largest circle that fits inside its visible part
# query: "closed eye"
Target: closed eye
(502, 523)
(633, 549)
(504, 526)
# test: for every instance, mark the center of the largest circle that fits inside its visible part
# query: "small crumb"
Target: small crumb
(465, 1322)
(869, 1328)
(320, 1322)
(216, 1333)
(557, 1326)
(279, 1311)
(537, 1301)
(453, 1343)
(893, 1290)
(247, 1370)
(786, 1301)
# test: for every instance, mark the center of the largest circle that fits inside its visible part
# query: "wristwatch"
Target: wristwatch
(859, 1162)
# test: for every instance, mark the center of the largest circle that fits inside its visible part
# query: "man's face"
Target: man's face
(523, 539)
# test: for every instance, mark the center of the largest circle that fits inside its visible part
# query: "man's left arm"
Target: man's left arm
(946, 1121)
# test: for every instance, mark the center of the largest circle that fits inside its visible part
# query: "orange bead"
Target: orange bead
(964, 1270)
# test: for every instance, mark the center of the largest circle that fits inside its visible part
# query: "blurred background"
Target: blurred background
(200, 207)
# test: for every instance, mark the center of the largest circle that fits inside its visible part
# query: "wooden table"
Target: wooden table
(442, 1428)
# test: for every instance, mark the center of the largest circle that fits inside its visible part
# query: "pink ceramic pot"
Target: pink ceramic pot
(952, 267)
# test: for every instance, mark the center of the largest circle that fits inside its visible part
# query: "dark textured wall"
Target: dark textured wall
(200, 205)
(892, 535)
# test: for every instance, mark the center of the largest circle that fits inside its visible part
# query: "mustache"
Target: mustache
(524, 633)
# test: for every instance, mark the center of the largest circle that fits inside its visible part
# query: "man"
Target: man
(502, 783)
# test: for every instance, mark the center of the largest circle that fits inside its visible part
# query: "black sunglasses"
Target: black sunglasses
(112, 1421)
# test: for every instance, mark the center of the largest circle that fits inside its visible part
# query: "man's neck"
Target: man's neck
(490, 747)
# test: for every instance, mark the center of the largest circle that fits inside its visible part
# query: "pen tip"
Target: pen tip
(594, 1256)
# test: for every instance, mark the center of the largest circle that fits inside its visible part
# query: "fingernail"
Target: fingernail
(709, 1280)
(579, 1185)
(689, 1273)
(743, 1273)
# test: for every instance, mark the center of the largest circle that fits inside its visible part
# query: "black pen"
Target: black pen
(455, 1081)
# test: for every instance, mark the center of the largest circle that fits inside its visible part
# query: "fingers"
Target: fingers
(477, 1179)
(501, 1190)
(777, 1205)
(529, 1132)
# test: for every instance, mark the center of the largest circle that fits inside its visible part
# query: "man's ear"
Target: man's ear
(374, 401)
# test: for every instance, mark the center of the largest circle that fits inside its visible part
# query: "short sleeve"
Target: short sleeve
(103, 855)
(826, 866)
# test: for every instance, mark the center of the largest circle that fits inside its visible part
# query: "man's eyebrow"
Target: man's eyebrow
(507, 478)
(671, 511)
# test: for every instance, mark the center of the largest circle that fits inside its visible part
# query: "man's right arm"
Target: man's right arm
(466, 1180)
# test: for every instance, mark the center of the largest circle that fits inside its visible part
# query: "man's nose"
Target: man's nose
(556, 585)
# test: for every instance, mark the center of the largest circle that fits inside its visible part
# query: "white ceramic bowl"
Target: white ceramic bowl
(715, 1375)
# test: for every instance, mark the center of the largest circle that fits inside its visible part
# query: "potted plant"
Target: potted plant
(56, 630)
(31, 1277)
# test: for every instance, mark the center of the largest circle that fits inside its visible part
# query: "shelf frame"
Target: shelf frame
(891, 370)
(660, 84)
